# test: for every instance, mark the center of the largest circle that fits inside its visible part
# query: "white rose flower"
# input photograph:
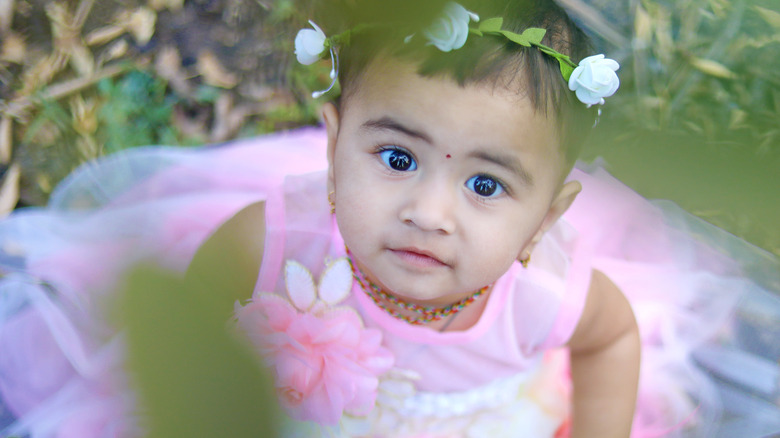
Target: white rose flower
(450, 31)
(309, 44)
(594, 79)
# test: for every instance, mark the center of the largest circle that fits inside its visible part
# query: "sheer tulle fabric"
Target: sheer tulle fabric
(706, 302)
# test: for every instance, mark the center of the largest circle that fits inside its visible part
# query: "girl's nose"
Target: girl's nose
(430, 207)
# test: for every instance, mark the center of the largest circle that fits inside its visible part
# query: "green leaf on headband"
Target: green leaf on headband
(516, 38)
(548, 51)
(566, 69)
(534, 35)
(475, 31)
(491, 24)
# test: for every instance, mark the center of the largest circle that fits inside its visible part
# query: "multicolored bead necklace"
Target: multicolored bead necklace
(424, 314)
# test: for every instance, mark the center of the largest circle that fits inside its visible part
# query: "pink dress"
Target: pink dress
(708, 367)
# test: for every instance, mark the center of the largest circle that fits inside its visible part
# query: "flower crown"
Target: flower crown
(592, 80)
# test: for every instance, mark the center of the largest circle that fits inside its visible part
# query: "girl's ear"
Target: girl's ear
(560, 204)
(331, 117)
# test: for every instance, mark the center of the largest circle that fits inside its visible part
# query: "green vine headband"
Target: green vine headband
(592, 80)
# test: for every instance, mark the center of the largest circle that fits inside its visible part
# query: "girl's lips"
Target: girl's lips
(418, 258)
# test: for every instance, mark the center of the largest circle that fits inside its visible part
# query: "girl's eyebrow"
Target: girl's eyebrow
(508, 162)
(388, 124)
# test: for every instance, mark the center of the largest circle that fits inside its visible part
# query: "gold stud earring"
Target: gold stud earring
(524, 262)
(332, 202)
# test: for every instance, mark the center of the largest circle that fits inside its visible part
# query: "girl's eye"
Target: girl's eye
(398, 159)
(485, 186)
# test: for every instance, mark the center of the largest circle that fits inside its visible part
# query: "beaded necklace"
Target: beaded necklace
(424, 314)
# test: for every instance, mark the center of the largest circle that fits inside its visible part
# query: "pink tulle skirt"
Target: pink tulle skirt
(707, 302)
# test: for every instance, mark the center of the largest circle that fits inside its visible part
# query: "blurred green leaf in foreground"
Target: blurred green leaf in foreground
(193, 374)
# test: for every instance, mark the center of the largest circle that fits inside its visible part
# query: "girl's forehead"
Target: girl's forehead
(392, 98)
(394, 88)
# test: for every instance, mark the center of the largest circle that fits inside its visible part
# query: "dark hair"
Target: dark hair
(488, 59)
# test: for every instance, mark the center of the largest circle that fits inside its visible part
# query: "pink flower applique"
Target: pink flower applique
(325, 362)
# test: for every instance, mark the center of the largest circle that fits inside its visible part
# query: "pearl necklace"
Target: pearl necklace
(423, 315)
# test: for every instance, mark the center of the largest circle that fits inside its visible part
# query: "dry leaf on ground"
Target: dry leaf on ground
(115, 51)
(228, 118)
(104, 35)
(81, 60)
(84, 113)
(14, 48)
(6, 138)
(167, 64)
(213, 72)
(140, 23)
(9, 190)
(42, 72)
(66, 35)
(88, 147)
(6, 14)
(173, 5)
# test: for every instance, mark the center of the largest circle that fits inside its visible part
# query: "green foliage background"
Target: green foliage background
(697, 118)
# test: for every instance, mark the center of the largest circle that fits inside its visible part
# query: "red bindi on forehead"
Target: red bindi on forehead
(449, 156)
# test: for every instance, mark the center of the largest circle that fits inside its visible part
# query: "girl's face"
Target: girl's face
(438, 187)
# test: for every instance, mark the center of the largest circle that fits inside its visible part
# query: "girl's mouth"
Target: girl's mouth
(418, 258)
